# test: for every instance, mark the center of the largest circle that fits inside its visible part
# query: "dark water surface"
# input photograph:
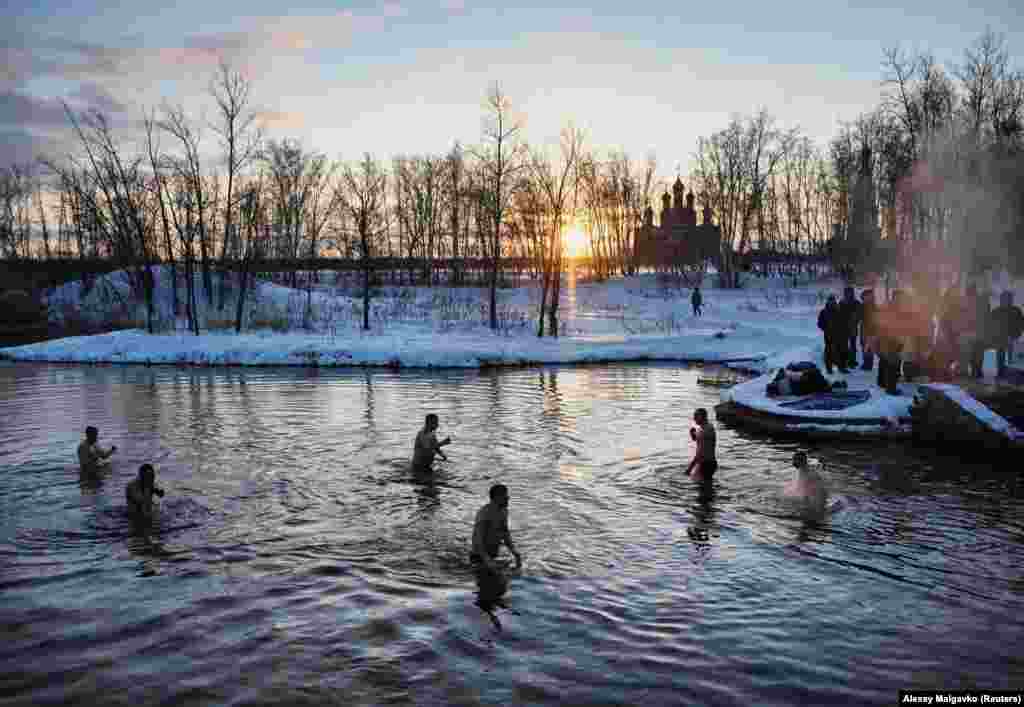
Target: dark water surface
(296, 559)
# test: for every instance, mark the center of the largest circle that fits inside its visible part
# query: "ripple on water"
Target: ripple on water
(295, 558)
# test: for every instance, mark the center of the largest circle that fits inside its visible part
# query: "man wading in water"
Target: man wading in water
(427, 445)
(704, 462)
(807, 487)
(490, 531)
(90, 454)
(140, 492)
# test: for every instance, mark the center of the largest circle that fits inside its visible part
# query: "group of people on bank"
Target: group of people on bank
(915, 334)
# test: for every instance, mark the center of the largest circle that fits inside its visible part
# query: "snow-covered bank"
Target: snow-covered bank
(628, 319)
(761, 327)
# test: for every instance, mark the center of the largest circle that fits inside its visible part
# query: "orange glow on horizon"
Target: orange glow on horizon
(575, 241)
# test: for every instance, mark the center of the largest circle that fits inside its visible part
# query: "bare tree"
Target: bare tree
(240, 139)
(363, 196)
(188, 165)
(15, 211)
(557, 186)
(120, 182)
(500, 159)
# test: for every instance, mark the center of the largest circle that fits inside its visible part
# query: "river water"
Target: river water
(297, 560)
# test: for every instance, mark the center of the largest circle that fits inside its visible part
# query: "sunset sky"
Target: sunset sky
(410, 77)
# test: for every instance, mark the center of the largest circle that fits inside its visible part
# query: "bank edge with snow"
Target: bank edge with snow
(405, 350)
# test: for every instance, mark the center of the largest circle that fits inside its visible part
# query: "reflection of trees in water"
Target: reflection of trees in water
(551, 412)
(369, 410)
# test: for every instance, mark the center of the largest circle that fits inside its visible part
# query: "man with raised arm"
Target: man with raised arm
(90, 453)
(140, 492)
(427, 446)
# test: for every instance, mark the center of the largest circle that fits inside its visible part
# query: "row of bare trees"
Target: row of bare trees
(210, 199)
(947, 145)
(947, 166)
(197, 195)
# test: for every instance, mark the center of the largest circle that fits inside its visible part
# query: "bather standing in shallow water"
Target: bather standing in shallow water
(704, 463)
(807, 487)
(427, 446)
(140, 491)
(490, 531)
(90, 454)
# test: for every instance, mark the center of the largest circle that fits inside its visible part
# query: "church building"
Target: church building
(678, 240)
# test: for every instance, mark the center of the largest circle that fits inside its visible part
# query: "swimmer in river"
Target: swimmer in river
(704, 463)
(90, 454)
(490, 531)
(427, 445)
(807, 486)
(140, 492)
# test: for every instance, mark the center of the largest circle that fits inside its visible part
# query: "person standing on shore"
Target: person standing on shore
(90, 454)
(697, 301)
(704, 463)
(834, 329)
(851, 313)
(868, 330)
(890, 334)
(1007, 326)
(982, 314)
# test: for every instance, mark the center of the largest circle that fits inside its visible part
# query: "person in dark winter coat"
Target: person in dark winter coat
(983, 312)
(947, 347)
(850, 312)
(833, 326)
(965, 326)
(1007, 324)
(697, 301)
(891, 335)
(868, 329)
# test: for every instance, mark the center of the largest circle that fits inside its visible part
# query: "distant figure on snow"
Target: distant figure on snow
(140, 492)
(807, 487)
(427, 446)
(490, 531)
(697, 301)
(704, 463)
(90, 454)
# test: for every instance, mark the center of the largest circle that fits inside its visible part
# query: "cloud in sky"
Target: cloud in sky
(404, 77)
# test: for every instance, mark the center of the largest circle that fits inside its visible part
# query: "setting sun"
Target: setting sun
(575, 241)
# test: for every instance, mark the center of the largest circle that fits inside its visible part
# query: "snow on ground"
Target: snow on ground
(634, 318)
(761, 327)
(880, 406)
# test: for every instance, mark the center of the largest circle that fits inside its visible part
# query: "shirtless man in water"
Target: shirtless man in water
(140, 492)
(427, 445)
(807, 486)
(90, 454)
(490, 530)
(704, 463)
